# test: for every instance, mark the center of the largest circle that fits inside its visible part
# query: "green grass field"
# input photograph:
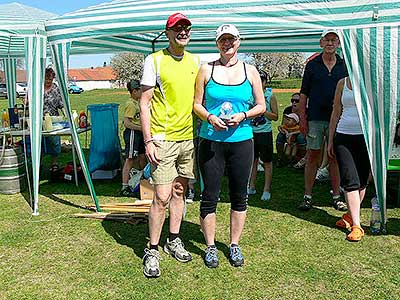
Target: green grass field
(289, 254)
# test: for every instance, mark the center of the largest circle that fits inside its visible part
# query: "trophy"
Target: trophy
(225, 111)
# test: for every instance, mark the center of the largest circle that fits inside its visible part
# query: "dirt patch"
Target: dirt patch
(285, 90)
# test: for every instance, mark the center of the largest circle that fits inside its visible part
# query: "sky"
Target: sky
(61, 7)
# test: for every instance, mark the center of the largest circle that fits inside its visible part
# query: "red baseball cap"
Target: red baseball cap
(175, 18)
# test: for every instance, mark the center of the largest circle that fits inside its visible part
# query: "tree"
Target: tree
(127, 66)
(280, 65)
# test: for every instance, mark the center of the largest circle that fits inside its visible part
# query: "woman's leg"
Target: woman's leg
(239, 160)
(212, 166)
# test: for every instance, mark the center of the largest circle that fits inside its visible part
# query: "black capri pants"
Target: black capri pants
(353, 160)
(214, 157)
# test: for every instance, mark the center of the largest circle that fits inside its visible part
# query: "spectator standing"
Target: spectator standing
(321, 76)
(167, 123)
(133, 137)
(52, 103)
(349, 147)
(262, 137)
(224, 95)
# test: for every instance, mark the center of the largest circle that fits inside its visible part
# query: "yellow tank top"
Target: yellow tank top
(172, 103)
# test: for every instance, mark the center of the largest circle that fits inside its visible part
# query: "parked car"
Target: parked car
(74, 89)
(3, 90)
(20, 89)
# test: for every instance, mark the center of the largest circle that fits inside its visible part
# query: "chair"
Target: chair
(394, 169)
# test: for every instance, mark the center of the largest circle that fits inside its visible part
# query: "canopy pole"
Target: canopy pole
(153, 42)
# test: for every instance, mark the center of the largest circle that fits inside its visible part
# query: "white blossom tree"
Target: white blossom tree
(127, 66)
(280, 65)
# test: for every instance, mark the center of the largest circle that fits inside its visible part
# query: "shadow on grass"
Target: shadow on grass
(136, 237)
(287, 191)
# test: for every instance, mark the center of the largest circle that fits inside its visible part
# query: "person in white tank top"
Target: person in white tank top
(346, 143)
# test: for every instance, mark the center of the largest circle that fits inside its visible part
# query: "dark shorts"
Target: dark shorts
(263, 146)
(134, 144)
(300, 140)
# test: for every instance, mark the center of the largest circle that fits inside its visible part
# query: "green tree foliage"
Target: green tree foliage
(280, 65)
(127, 66)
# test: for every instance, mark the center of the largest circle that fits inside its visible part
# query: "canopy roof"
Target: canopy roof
(272, 25)
(17, 22)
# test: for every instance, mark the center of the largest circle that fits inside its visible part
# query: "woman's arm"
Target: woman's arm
(335, 116)
(198, 106)
(273, 114)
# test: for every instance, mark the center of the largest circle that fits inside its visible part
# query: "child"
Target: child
(290, 127)
(133, 137)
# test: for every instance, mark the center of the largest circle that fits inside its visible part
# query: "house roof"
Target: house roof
(92, 74)
(86, 74)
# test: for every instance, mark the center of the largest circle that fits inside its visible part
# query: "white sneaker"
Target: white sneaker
(300, 164)
(251, 191)
(266, 196)
(190, 196)
(322, 175)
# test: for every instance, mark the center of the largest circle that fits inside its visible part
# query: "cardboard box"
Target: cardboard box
(146, 190)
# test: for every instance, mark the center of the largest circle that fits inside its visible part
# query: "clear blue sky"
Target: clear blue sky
(61, 7)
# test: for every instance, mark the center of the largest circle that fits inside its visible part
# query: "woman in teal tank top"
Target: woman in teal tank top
(223, 100)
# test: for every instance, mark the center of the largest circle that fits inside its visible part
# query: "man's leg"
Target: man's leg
(151, 259)
(177, 204)
(162, 195)
(310, 170)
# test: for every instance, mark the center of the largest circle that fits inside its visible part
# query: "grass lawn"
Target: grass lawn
(289, 254)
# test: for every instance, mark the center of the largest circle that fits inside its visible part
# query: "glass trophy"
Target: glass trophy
(225, 111)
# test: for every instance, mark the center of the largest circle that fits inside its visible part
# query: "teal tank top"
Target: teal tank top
(263, 124)
(224, 100)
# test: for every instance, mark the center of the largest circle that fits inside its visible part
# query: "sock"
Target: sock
(234, 245)
(308, 196)
(155, 247)
(336, 197)
(173, 236)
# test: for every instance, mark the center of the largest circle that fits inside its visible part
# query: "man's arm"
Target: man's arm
(145, 104)
(128, 123)
(303, 115)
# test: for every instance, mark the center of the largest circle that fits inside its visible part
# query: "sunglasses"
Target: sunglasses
(230, 40)
(295, 100)
(180, 28)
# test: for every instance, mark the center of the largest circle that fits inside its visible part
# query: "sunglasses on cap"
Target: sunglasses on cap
(295, 100)
(180, 28)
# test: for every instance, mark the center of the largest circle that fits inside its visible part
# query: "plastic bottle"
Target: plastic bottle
(5, 119)
(82, 120)
(375, 222)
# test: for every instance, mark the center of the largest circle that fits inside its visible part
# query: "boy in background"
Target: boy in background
(133, 137)
(291, 129)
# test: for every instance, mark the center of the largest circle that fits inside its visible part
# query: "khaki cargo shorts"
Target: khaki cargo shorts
(176, 159)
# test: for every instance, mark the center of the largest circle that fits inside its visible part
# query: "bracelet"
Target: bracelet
(148, 141)
(209, 117)
(245, 115)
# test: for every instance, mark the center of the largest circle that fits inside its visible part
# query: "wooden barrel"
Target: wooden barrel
(12, 171)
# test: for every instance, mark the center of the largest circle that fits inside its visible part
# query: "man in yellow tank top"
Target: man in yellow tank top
(167, 124)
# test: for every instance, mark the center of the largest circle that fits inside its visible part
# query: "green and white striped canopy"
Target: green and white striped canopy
(18, 21)
(272, 25)
(22, 35)
(369, 33)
